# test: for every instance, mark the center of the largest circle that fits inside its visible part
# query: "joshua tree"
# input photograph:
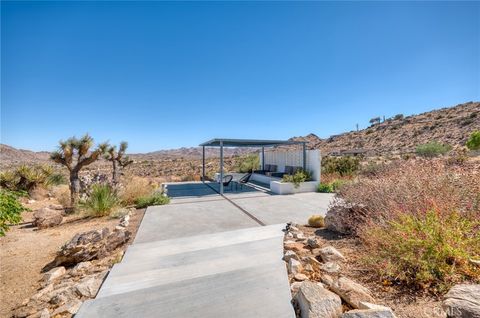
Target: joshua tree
(75, 154)
(118, 159)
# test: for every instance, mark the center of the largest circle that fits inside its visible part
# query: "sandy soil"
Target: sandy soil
(24, 251)
(405, 303)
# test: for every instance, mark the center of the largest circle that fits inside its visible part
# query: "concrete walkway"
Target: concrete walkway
(203, 256)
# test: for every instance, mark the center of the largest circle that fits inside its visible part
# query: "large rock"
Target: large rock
(350, 291)
(294, 266)
(331, 254)
(345, 218)
(88, 287)
(46, 217)
(463, 301)
(90, 245)
(53, 274)
(314, 301)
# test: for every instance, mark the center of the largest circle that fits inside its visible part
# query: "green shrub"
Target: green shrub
(473, 142)
(325, 188)
(101, 200)
(10, 210)
(297, 178)
(429, 251)
(154, 199)
(432, 149)
(331, 186)
(248, 163)
(344, 166)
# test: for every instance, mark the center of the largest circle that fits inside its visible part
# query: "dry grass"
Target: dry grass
(135, 187)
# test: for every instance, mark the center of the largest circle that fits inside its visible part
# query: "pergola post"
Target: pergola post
(221, 167)
(304, 157)
(203, 163)
(263, 158)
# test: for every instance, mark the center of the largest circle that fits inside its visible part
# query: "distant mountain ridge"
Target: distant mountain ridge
(452, 125)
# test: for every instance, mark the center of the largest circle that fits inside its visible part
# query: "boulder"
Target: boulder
(344, 217)
(70, 307)
(350, 291)
(330, 253)
(90, 245)
(290, 254)
(295, 286)
(369, 313)
(53, 274)
(314, 301)
(312, 242)
(300, 277)
(330, 267)
(294, 266)
(46, 217)
(462, 301)
(88, 287)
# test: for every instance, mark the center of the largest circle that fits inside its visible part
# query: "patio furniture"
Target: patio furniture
(227, 180)
(244, 180)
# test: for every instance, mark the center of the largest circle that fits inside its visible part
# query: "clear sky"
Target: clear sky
(165, 75)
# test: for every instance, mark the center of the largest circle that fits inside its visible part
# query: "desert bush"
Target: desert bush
(331, 187)
(344, 166)
(316, 221)
(431, 207)
(298, 177)
(101, 200)
(473, 142)
(432, 149)
(248, 163)
(26, 178)
(134, 188)
(432, 250)
(154, 199)
(325, 187)
(10, 210)
(398, 117)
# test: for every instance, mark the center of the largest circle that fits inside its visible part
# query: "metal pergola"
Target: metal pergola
(247, 143)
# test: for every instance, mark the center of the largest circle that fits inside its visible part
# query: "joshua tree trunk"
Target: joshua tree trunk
(115, 172)
(74, 188)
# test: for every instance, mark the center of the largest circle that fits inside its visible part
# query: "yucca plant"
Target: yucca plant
(25, 178)
(101, 201)
(118, 159)
(75, 154)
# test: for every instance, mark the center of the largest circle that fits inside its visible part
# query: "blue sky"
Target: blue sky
(165, 75)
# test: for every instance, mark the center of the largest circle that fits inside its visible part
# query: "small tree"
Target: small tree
(473, 142)
(118, 159)
(75, 154)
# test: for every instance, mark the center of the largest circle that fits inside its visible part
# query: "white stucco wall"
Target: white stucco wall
(283, 158)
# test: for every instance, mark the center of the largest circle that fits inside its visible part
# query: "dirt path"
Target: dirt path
(24, 251)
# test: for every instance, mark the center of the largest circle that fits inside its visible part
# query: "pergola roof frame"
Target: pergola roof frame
(250, 143)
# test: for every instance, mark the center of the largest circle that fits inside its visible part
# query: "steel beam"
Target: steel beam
(221, 167)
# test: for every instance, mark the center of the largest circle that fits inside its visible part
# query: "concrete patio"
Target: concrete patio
(207, 255)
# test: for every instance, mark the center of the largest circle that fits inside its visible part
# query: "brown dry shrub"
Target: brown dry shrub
(421, 222)
(416, 187)
(62, 194)
(134, 188)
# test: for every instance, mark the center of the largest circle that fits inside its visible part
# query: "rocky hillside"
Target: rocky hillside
(401, 135)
